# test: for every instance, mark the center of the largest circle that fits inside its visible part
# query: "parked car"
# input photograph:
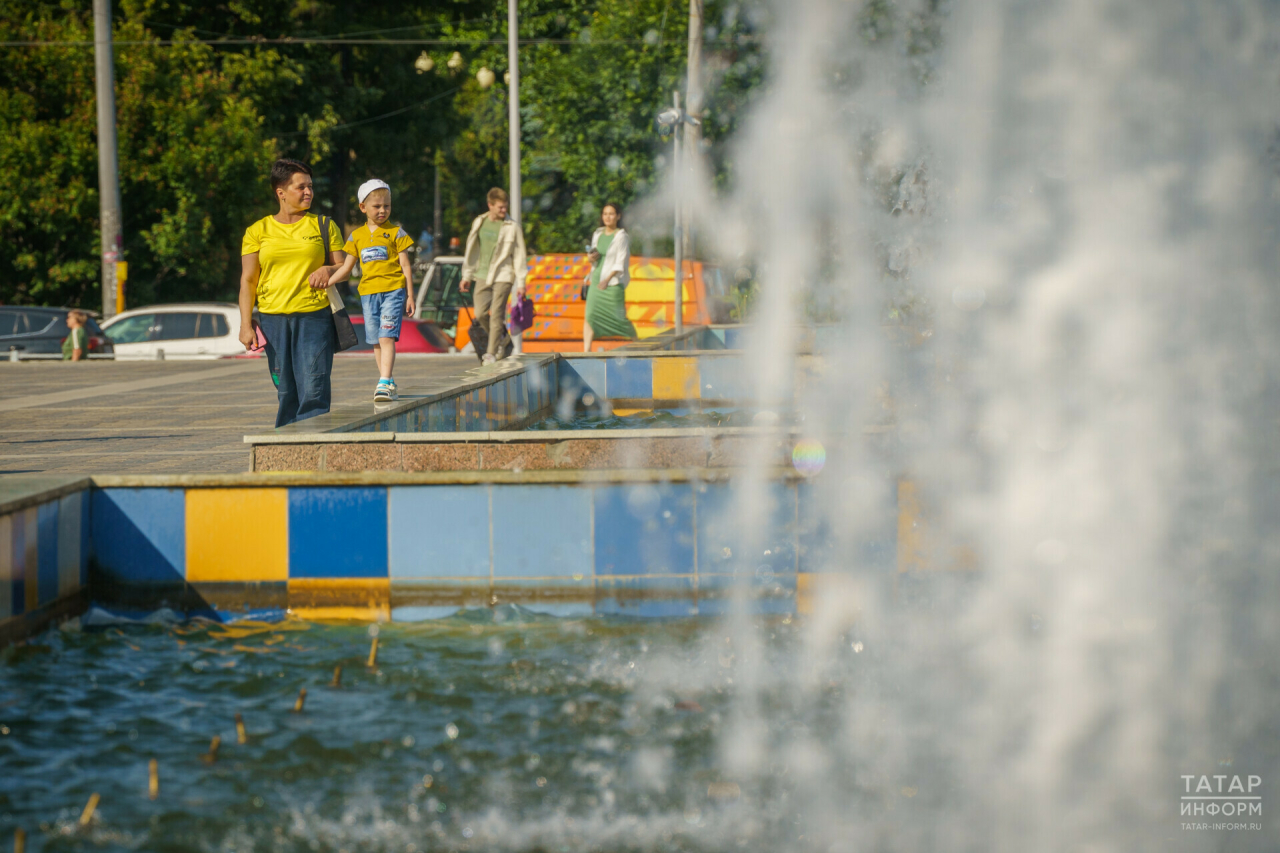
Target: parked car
(187, 330)
(415, 336)
(41, 331)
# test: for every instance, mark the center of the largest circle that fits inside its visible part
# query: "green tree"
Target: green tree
(190, 152)
(200, 122)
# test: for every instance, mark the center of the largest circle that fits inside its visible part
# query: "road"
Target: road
(153, 417)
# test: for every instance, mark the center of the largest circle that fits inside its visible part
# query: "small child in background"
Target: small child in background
(386, 280)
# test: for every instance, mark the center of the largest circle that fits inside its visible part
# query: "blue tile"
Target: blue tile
(140, 535)
(630, 378)
(874, 536)
(541, 531)
(17, 562)
(725, 547)
(337, 533)
(73, 541)
(587, 373)
(724, 378)
(760, 580)
(439, 531)
(47, 520)
(644, 529)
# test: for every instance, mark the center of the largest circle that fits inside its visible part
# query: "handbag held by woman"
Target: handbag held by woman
(344, 331)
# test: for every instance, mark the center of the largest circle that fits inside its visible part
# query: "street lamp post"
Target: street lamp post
(513, 109)
(677, 119)
(108, 163)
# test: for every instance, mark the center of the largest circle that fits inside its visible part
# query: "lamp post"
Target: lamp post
(513, 109)
(113, 267)
(676, 119)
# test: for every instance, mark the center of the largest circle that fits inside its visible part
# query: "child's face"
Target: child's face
(377, 206)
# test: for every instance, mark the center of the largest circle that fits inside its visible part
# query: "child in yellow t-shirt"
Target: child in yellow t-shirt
(386, 287)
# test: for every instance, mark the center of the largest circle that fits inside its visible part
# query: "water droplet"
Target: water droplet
(407, 741)
(857, 648)
(373, 630)
(451, 731)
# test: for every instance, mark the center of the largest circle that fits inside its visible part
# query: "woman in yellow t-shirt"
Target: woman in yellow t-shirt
(282, 269)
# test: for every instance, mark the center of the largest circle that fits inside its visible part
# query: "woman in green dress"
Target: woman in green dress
(610, 272)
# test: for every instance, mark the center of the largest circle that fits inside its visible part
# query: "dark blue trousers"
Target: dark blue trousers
(300, 356)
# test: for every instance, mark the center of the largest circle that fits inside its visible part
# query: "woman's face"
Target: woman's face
(297, 194)
(609, 216)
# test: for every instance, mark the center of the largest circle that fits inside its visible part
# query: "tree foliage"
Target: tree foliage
(199, 122)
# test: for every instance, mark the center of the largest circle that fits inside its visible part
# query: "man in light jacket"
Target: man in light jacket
(495, 260)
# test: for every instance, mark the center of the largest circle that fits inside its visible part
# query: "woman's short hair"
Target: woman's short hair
(77, 314)
(617, 208)
(283, 170)
(496, 194)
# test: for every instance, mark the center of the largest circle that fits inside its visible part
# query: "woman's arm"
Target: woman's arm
(249, 270)
(325, 276)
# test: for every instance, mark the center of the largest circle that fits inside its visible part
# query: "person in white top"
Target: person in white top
(606, 314)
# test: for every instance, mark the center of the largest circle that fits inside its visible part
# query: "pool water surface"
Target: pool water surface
(493, 729)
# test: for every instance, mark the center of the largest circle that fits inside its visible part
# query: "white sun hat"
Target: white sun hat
(369, 186)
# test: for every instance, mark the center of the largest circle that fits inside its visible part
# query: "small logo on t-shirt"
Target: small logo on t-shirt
(374, 253)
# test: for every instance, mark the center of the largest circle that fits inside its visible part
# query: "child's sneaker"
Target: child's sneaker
(384, 393)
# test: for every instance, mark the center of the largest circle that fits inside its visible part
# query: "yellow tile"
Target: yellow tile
(911, 529)
(237, 534)
(676, 379)
(341, 599)
(804, 593)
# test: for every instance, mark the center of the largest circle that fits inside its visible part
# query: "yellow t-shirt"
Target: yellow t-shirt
(379, 255)
(287, 255)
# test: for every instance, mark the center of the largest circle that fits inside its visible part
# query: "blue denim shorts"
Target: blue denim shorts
(382, 315)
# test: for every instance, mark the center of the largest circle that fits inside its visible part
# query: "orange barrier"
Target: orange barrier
(554, 283)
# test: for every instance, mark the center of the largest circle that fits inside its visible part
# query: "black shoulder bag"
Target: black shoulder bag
(344, 332)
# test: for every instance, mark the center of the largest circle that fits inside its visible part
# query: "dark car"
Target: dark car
(41, 331)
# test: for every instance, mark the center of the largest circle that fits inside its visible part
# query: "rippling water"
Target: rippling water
(492, 729)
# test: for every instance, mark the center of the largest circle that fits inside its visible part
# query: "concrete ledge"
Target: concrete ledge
(352, 417)
(434, 478)
(533, 435)
(18, 492)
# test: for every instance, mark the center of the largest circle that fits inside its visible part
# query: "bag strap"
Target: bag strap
(324, 240)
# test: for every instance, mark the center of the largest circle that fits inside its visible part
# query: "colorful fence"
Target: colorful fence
(554, 283)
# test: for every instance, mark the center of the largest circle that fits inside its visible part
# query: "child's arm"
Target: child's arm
(345, 270)
(407, 269)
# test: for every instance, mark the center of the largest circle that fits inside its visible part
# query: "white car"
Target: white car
(188, 330)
